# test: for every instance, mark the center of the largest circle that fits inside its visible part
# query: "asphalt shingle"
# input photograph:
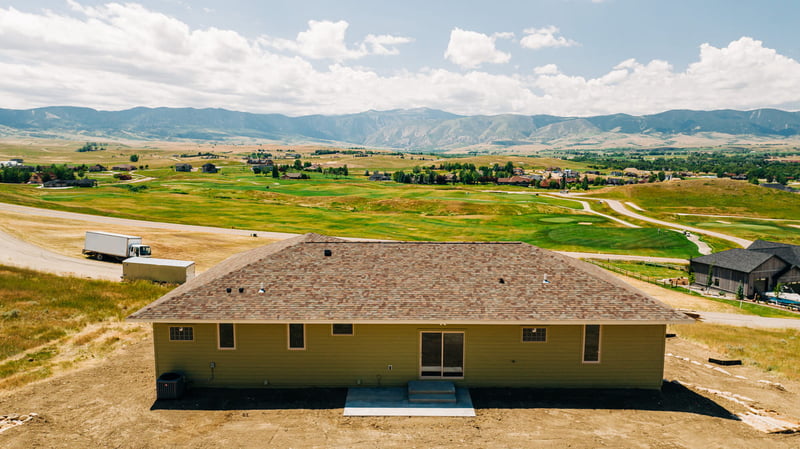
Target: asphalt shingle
(315, 278)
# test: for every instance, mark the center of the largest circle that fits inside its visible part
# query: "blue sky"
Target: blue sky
(561, 57)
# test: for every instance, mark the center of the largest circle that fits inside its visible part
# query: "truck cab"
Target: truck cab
(140, 251)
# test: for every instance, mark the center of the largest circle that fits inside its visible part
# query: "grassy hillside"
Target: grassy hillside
(38, 312)
(742, 209)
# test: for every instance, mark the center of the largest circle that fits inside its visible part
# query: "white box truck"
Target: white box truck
(107, 245)
(157, 270)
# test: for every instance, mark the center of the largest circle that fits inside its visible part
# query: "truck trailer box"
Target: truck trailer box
(158, 270)
(101, 245)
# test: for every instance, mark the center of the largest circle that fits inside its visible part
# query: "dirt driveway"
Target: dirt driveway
(111, 403)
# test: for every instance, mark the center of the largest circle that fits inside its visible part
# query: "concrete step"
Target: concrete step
(431, 387)
(446, 398)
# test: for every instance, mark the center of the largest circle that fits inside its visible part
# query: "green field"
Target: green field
(354, 207)
(742, 209)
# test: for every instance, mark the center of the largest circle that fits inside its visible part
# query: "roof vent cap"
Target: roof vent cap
(327, 253)
(228, 290)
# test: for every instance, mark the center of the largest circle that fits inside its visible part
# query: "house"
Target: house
(758, 269)
(71, 183)
(208, 167)
(183, 167)
(515, 181)
(294, 176)
(317, 311)
(124, 167)
(380, 177)
(97, 168)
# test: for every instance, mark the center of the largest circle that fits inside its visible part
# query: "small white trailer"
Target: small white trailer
(157, 270)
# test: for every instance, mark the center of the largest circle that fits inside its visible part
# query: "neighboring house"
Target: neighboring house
(124, 167)
(208, 167)
(380, 177)
(293, 176)
(317, 311)
(758, 269)
(71, 183)
(183, 167)
(97, 168)
(515, 181)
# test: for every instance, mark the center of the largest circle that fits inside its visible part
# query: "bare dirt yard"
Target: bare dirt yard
(111, 403)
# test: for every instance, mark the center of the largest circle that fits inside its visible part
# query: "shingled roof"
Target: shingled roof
(736, 259)
(314, 278)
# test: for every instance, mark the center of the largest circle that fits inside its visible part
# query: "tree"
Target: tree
(275, 173)
(662, 176)
(134, 158)
(740, 292)
(585, 183)
(298, 165)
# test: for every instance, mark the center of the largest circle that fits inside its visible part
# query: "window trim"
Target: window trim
(463, 354)
(289, 337)
(219, 335)
(352, 330)
(169, 334)
(599, 344)
(522, 336)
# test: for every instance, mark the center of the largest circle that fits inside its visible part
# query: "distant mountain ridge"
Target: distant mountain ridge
(425, 129)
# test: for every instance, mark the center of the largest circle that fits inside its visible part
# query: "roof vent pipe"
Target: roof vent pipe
(327, 253)
(544, 280)
(241, 289)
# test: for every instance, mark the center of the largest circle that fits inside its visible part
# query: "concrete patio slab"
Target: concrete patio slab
(365, 401)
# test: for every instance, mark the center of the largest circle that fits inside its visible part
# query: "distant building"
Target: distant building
(97, 168)
(71, 183)
(294, 176)
(380, 177)
(183, 167)
(758, 269)
(124, 167)
(209, 168)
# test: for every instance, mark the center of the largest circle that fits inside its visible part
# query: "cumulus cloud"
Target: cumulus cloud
(326, 40)
(470, 49)
(117, 56)
(536, 38)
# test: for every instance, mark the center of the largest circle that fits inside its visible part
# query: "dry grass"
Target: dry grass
(775, 350)
(66, 237)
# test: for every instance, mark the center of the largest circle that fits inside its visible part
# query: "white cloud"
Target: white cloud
(326, 40)
(118, 56)
(470, 49)
(536, 38)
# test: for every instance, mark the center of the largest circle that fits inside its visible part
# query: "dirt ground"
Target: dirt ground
(110, 402)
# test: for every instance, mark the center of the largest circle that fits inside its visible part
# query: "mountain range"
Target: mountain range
(414, 129)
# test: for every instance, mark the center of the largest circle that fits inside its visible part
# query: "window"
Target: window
(342, 329)
(591, 343)
(534, 334)
(181, 333)
(716, 282)
(226, 337)
(297, 336)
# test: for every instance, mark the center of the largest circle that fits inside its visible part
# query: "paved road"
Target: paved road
(734, 319)
(18, 253)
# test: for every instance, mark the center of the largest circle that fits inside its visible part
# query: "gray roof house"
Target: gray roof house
(757, 269)
(318, 311)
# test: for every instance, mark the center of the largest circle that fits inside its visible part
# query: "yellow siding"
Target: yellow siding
(630, 356)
